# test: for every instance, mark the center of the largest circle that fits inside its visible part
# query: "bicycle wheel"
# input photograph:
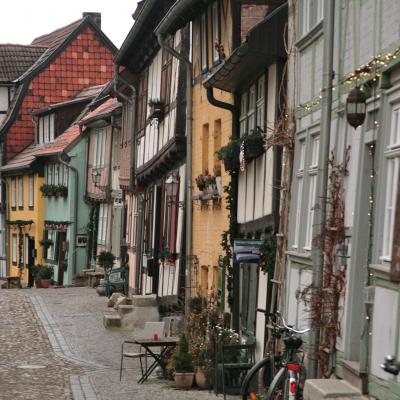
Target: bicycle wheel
(279, 388)
(256, 383)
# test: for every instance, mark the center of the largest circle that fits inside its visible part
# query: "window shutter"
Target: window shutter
(45, 236)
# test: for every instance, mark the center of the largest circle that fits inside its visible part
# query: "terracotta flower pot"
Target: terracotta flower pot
(184, 380)
(38, 283)
(200, 378)
(45, 283)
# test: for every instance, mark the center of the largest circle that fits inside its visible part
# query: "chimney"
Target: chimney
(95, 16)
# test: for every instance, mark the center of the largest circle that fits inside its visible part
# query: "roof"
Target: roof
(22, 160)
(106, 109)
(15, 59)
(264, 45)
(182, 12)
(61, 143)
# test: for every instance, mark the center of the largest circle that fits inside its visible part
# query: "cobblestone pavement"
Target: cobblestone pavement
(83, 353)
(29, 369)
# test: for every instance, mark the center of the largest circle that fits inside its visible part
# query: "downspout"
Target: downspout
(188, 172)
(234, 183)
(75, 211)
(132, 181)
(322, 183)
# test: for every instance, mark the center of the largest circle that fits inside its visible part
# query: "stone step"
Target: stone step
(145, 301)
(124, 309)
(111, 321)
(316, 389)
(351, 373)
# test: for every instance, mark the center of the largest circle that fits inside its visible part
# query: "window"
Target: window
(312, 181)
(102, 224)
(392, 155)
(311, 12)
(166, 73)
(142, 102)
(204, 42)
(56, 174)
(14, 249)
(99, 148)
(26, 249)
(215, 31)
(14, 193)
(46, 129)
(31, 200)
(20, 192)
(252, 107)
(300, 181)
(148, 224)
(52, 249)
(248, 297)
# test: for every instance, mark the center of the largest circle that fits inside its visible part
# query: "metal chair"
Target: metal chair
(150, 328)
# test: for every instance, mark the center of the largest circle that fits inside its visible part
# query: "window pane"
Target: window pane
(215, 22)
(31, 191)
(20, 191)
(310, 217)
(203, 42)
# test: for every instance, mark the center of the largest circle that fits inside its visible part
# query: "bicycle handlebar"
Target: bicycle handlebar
(390, 365)
(285, 325)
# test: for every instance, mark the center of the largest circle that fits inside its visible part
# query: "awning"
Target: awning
(264, 45)
(246, 250)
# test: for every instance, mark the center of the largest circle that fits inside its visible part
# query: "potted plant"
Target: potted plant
(48, 190)
(182, 364)
(46, 243)
(229, 154)
(61, 191)
(156, 109)
(106, 259)
(201, 181)
(253, 144)
(43, 275)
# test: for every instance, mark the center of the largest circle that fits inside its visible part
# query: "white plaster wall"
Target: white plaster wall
(260, 317)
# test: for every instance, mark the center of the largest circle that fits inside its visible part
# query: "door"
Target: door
(62, 261)
(31, 259)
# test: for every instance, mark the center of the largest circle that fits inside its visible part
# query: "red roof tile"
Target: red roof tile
(106, 108)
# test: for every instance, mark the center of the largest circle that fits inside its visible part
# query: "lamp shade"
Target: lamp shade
(356, 107)
(96, 175)
(172, 186)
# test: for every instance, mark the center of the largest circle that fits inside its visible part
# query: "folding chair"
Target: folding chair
(150, 328)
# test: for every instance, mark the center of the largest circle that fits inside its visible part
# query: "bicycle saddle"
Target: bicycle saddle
(293, 342)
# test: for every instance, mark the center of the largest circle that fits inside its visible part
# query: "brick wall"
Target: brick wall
(251, 15)
(85, 62)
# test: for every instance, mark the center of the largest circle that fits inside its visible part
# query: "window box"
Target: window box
(254, 143)
(229, 154)
(157, 109)
(61, 191)
(48, 190)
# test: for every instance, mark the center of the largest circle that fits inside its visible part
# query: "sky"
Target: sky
(23, 20)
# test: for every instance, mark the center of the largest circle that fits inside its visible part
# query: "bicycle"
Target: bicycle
(282, 376)
(391, 366)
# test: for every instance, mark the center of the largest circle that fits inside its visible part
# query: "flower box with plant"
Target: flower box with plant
(106, 259)
(182, 364)
(61, 191)
(43, 275)
(46, 243)
(229, 154)
(156, 109)
(254, 143)
(48, 190)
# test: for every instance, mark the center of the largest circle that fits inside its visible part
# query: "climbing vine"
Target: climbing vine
(268, 252)
(323, 302)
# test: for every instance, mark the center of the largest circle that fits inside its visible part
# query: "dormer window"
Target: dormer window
(46, 129)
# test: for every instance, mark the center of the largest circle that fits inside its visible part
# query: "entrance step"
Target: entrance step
(111, 321)
(351, 373)
(317, 389)
(124, 309)
(145, 301)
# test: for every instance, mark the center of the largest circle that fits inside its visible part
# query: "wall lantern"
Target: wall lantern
(355, 107)
(172, 187)
(96, 176)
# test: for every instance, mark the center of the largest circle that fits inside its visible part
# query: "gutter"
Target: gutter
(75, 210)
(132, 180)
(322, 180)
(188, 172)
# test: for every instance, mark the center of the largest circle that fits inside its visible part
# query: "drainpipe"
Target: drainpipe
(75, 210)
(234, 182)
(322, 183)
(132, 181)
(188, 172)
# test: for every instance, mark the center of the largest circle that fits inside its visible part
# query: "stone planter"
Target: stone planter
(184, 380)
(200, 378)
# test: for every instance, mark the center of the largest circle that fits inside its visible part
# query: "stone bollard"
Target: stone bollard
(316, 389)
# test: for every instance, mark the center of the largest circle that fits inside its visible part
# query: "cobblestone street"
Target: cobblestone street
(54, 346)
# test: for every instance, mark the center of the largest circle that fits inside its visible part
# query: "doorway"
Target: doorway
(31, 259)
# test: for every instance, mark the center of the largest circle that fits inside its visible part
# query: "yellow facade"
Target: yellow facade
(212, 128)
(25, 206)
